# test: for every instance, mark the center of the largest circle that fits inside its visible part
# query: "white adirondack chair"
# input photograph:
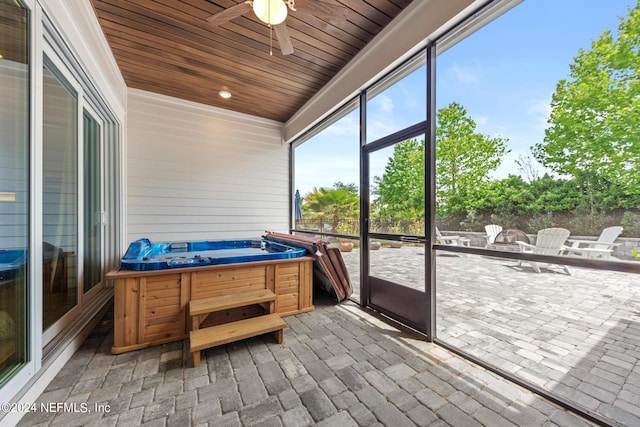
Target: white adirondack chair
(550, 241)
(598, 248)
(492, 231)
(452, 240)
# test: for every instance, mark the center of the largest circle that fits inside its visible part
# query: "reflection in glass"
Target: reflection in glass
(14, 186)
(93, 203)
(60, 196)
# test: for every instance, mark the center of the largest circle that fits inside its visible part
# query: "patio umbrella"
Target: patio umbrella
(298, 206)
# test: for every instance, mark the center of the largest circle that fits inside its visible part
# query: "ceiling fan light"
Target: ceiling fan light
(271, 12)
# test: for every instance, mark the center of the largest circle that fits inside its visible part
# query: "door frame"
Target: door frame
(424, 318)
(406, 305)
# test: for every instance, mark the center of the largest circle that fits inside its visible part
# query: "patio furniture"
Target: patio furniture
(228, 329)
(507, 240)
(598, 248)
(452, 240)
(492, 231)
(549, 241)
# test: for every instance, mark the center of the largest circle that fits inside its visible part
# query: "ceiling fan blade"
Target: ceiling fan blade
(230, 13)
(322, 9)
(284, 40)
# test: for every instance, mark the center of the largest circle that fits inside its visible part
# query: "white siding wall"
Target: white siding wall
(14, 171)
(196, 172)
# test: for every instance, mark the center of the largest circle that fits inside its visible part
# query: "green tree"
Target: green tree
(339, 202)
(464, 159)
(594, 126)
(400, 190)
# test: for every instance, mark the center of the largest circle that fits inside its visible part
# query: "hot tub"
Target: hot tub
(156, 281)
(12, 263)
(143, 255)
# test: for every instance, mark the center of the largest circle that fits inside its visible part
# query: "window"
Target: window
(398, 101)
(14, 187)
(327, 178)
(60, 196)
(93, 212)
(535, 132)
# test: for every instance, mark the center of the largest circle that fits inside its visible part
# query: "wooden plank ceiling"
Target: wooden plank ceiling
(168, 47)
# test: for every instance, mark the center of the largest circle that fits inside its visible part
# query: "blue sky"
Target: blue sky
(504, 75)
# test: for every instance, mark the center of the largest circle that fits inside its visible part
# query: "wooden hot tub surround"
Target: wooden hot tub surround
(152, 307)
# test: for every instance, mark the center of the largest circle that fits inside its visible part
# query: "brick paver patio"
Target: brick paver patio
(577, 336)
(339, 366)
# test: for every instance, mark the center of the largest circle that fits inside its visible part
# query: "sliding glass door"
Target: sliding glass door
(93, 194)
(14, 188)
(60, 195)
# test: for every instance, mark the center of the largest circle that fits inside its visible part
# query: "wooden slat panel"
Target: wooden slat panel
(142, 308)
(185, 297)
(227, 275)
(156, 291)
(284, 269)
(156, 297)
(159, 311)
(271, 278)
(168, 47)
(126, 314)
(289, 279)
(170, 321)
(151, 307)
(306, 285)
(212, 291)
(163, 282)
(160, 300)
(287, 303)
(162, 332)
(290, 288)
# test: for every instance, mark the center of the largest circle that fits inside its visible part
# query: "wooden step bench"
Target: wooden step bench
(234, 331)
(225, 333)
(224, 302)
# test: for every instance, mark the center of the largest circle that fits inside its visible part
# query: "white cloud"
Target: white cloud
(466, 75)
(347, 126)
(539, 108)
(383, 103)
(480, 120)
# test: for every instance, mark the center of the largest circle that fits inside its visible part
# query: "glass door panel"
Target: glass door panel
(92, 259)
(396, 232)
(60, 196)
(14, 187)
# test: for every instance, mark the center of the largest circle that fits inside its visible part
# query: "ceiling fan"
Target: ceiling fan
(274, 12)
